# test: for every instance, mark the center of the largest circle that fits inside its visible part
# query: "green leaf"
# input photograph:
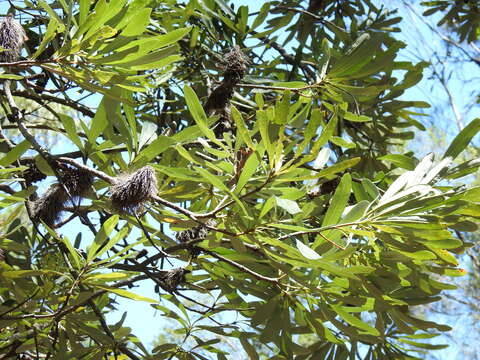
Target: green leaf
(70, 128)
(354, 321)
(100, 121)
(215, 181)
(127, 294)
(356, 118)
(307, 251)
(53, 28)
(249, 349)
(338, 167)
(113, 276)
(399, 160)
(197, 112)
(261, 15)
(138, 23)
(11, 76)
(247, 171)
(156, 147)
(15, 274)
(101, 237)
(73, 252)
(355, 212)
(122, 234)
(339, 201)
(462, 140)
(242, 129)
(14, 154)
(289, 206)
(328, 131)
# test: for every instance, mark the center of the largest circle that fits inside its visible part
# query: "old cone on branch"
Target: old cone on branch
(50, 205)
(76, 181)
(131, 191)
(172, 279)
(218, 101)
(75, 184)
(12, 38)
(32, 174)
(199, 232)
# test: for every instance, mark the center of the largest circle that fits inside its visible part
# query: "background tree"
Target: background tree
(264, 141)
(449, 85)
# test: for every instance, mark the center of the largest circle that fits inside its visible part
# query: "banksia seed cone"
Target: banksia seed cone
(131, 191)
(50, 205)
(172, 278)
(236, 65)
(33, 174)
(234, 71)
(199, 232)
(12, 38)
(76, 181)
(75, 184)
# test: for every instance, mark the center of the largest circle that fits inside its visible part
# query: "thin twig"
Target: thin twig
(242, 268)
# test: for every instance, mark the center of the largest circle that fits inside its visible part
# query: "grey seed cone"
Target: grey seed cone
(199, 232)
(75, 184)
(133, 190)
(172, 279)
(12, 38)
(50, 205)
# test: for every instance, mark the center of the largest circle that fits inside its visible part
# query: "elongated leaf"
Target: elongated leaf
(102, 236)
(242, 129)
(462, 140)
(247, 171)
(159, 145)
(339, 201)
(307, 251)
(338, 167)
(138, 23)
(197, 112)
(128, 294)
(289, 206)
(355, 321)
(73, 252)
(15, 153)
(396, 186)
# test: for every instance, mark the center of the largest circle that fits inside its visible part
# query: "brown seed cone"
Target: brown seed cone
(50, 205)
(75, 184)
(33, 174)
(234, 71)
(76, 181)
(199, 232)
(219, 100)
(131, 191)
(12, 38)
(2, 255)
(236, 65)
(172, 279)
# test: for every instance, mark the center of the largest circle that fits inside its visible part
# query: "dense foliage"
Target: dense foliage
(241, 163)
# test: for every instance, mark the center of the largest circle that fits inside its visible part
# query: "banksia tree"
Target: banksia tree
(306, 219)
